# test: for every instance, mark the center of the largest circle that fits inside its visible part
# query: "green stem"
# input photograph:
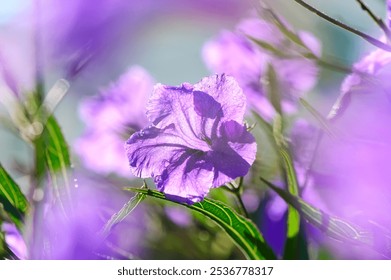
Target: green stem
(236, 190)
(364, 36)
(376, 19)
(241, 204)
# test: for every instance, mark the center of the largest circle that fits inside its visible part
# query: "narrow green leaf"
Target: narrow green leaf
(52, 157)
(11, 197)
(5, 252)
(278, 136)
(57, 158)
(54, 97)
(291, 250)
(273, 89)
(265, 125)
(285, 30)
(269, 47)
(123, 213)
(267, 129)
(292, 243)
(56, 147)
(338, 228)
(242, 231)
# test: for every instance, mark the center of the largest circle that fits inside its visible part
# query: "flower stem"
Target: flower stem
(237, 189)
(241, 204)
(376, 19)
(365, 36)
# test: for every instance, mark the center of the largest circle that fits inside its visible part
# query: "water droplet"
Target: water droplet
(36, 128)
(76, 186)
(38, 195)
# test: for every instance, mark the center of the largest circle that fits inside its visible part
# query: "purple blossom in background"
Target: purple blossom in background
(235, 54)
(14, 240)
(178, 216)
(56, 38)
(353, 171)
(77, 33)
(197, 140)
(53, 39)
(303, 138)
(111, 118)
(78, 233)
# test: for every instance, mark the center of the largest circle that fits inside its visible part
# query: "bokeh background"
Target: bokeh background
(166, 38)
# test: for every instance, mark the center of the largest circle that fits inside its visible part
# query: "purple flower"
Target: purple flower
(179, 216)
(14, 240)
(235, 54)
(110, 118)
(197, 140)
(75, 231)
(77, 33)
(353, 171)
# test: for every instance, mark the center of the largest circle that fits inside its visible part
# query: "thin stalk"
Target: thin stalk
(241, 204)
(333, 66)
(363, 35)
(236, 190)
(376, 19)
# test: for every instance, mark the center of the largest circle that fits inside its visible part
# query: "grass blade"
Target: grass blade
(123, 213)
(5, 252)
(291, 250)
(242, 231)
(273, 89)
(11, 197)
(377, 239)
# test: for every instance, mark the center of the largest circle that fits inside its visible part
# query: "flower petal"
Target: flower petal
(233, 153)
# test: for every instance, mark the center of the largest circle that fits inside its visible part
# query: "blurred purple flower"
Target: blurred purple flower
(77, 32)
(234, 53)
(353, 171)
(55, 38)
(111, 118)
(14, 240)
(196, 141)
(303, 139)
(75, 232)
(179, 216)
(51, 39)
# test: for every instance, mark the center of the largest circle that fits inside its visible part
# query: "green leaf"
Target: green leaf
(269, 47)
(123, 213)
(291, 250)
(57, 158)
(273, 89)
(52, 157)
(242, 231)
(377, 238)
(12, 198)
(292, 243)
(57, 153)
(5, 252)
(285, 30)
